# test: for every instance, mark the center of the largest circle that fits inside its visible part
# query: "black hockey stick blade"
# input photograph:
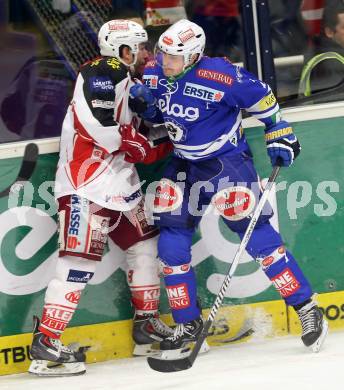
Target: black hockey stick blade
(163, 365)
(169, 365)
(27, 167)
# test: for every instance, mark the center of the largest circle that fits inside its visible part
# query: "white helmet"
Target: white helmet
(183, 38)
(115, 33)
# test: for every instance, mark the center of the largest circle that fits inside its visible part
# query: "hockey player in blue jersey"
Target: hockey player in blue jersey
(200, 101)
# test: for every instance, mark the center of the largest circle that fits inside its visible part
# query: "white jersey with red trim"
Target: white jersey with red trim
(91, 164)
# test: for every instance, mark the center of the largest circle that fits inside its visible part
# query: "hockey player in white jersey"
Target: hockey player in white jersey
(99, 196)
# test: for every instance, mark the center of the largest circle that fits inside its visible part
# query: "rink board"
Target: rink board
(113, 340)
(233, 324)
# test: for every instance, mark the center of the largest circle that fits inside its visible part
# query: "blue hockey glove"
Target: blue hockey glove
(282, 145)
(142, 101)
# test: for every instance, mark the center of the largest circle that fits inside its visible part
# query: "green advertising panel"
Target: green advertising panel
(310, 217)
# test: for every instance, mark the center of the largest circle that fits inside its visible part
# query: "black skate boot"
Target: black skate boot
(314, 326)
(52, 358)
(178, 345)
(148, 331)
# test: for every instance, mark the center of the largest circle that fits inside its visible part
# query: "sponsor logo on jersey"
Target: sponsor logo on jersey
(274, 257)
(203, 93)
(267, 261)
(215, 76)
(122, 198)
(185, 268)
(107, 104)
(190, 114)
(79, 276)
(286, 283)
(168, 196)
(101, 84)
(74, 223)
(167, 270)
(178, 296)
(151, 81)
(145, 299)
(56, 317)
(73, 296)
(186, 35)
(149, 295)
(176, 270)
(133, 196)
(114, 63)
(170, 86)
(167, 40)
(267, 102)
(234, 203)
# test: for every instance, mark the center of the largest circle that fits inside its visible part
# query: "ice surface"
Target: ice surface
(280, 363)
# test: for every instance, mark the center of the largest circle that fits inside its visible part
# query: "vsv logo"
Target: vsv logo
(171, 88)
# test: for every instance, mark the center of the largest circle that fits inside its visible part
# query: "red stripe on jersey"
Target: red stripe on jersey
(82, 155)
(84, 146)
(80, 128)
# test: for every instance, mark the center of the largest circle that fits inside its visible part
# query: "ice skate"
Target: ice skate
(314, 326)
(179, 344)
(148, 332)
(52, 358)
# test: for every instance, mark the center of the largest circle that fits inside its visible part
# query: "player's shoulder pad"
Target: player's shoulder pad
(109, 67)
(217, 69)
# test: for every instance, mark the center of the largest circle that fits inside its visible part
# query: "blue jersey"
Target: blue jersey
(202, 108)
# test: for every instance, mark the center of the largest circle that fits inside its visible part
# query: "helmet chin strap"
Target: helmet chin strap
(125, 63)
(190, 63)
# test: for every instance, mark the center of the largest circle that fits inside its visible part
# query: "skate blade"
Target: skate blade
(146, 350)
(182, 353)
(318, 344)
(52, 369)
